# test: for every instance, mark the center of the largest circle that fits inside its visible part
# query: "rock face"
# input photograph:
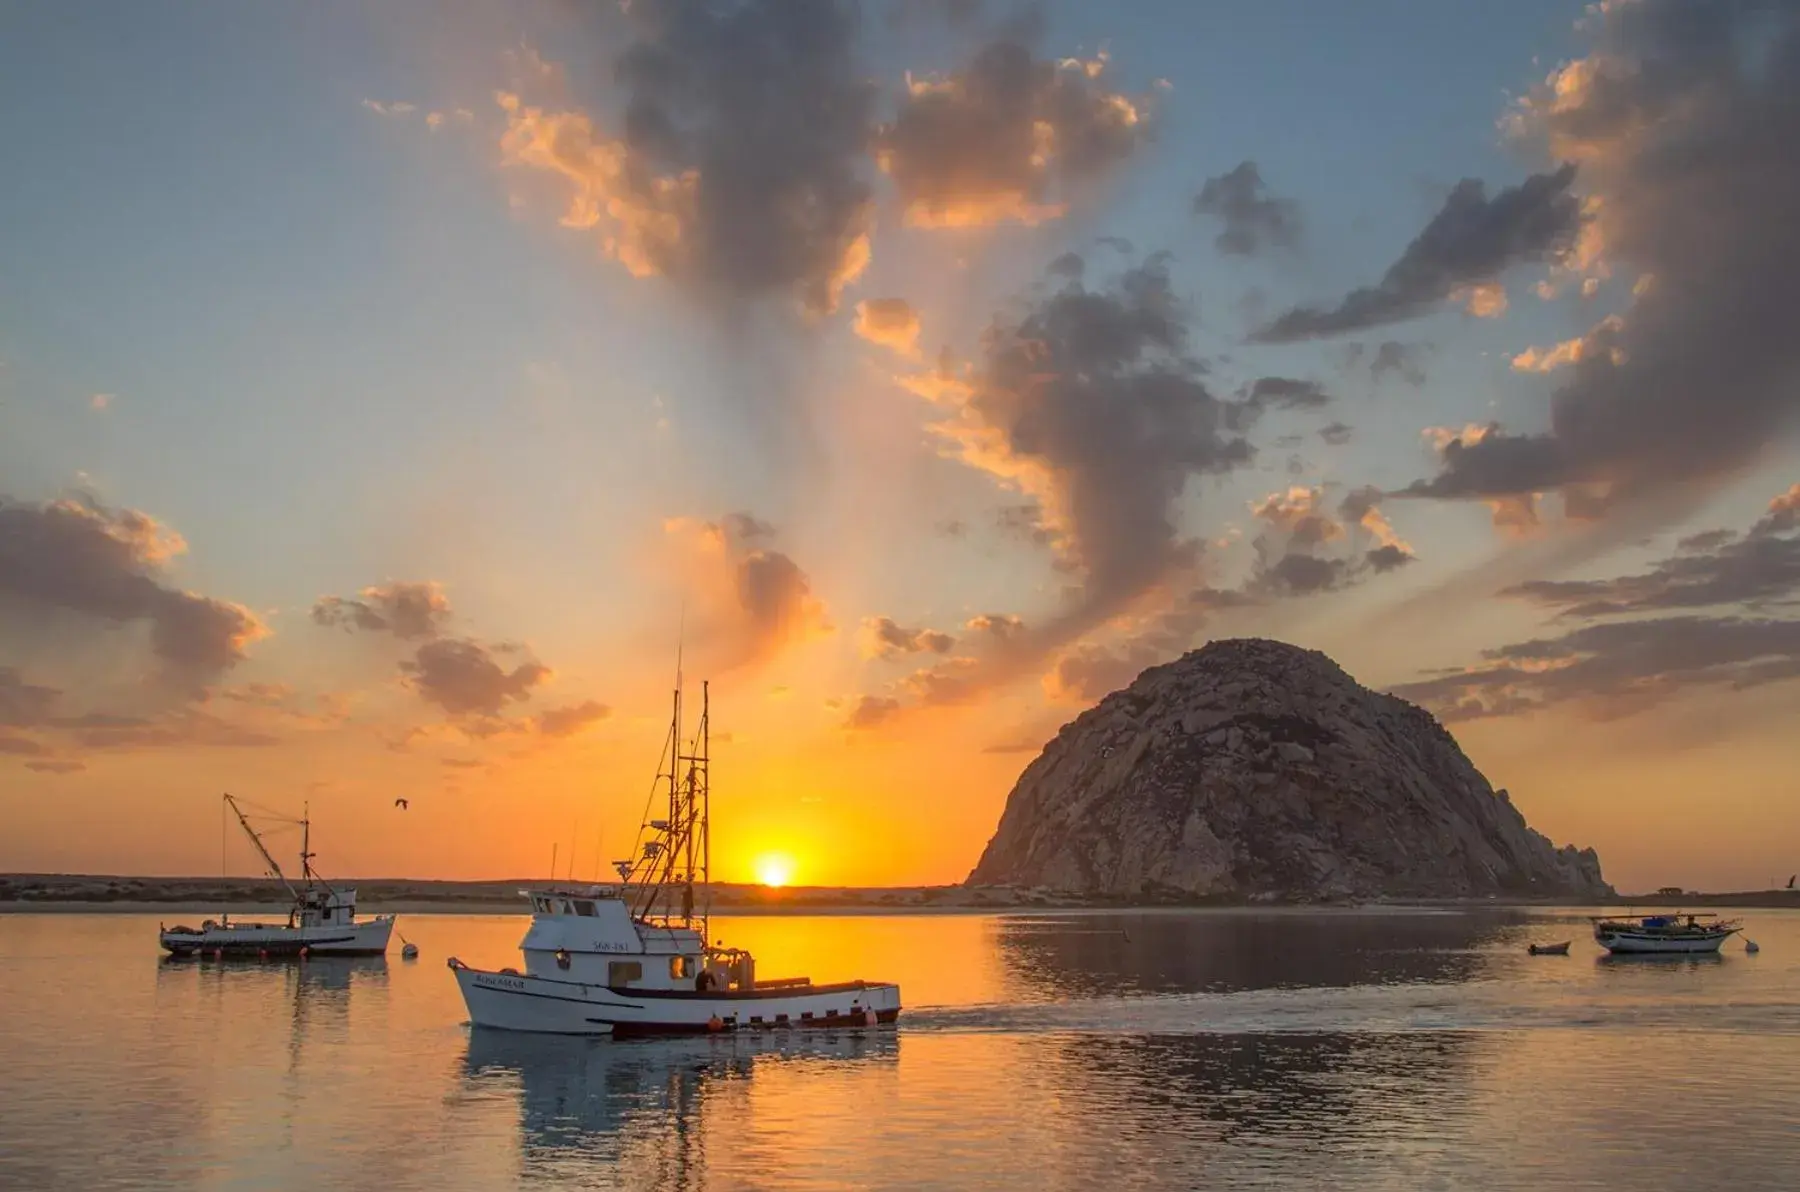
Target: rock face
(1254, 768)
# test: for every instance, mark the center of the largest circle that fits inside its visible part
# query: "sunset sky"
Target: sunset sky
(386, 389)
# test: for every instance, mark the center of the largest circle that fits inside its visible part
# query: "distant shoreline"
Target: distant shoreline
(104, 893)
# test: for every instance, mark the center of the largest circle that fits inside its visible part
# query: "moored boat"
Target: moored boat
(634, 958)
(1675, 934)
(1559, 949)
(322, 920)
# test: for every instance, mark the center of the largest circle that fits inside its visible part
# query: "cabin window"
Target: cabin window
(562, 907)
(622, 972)
(542, 905)
(678, 967)
(584, 906)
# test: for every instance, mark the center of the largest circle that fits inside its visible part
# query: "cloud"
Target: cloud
(19, 746)
(395, 108)
(1460, 254)
(751, 601)
(890, 322)
(1756, 569)
(1682, 120)
(1252, 218)
(1285, 393)
(79, 557)
(1616, 668)
(1677, 626)
(739, 171)
(1303, 548)
(1570, 351)
(999, 626)
(1088, 402)
(22, 704)
(407, 610)
(882, 638)
(1336, 434)
(56, 766)
(570, 720)
(871, 711)
(462, 677)
(1008, 138)
(1399, 359)
(1088, 674)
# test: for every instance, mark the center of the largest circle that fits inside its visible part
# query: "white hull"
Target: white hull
(518, 1002)
(1637, 944)
(368, 938)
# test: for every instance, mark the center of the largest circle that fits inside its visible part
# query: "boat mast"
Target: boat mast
(269, 861)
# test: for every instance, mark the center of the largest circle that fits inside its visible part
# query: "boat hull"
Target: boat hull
(368, 938)
(517, 1002)
(1629, 943)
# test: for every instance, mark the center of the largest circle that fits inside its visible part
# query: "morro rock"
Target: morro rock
(1252, 768)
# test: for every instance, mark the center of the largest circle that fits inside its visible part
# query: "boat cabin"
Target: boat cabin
(591, 936)
(322, 906)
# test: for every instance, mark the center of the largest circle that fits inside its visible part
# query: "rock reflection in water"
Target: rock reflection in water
(1122, 954)
(664, 1114)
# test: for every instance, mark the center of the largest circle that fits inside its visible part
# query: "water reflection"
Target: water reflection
(650, 1110)
(1120, 955)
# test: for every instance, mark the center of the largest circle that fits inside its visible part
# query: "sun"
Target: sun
(774, 869)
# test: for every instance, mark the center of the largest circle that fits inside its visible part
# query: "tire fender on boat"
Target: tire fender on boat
(715, 1023)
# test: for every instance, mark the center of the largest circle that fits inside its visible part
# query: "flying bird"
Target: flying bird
(402, 804)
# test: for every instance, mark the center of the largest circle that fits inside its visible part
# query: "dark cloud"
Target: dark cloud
(871, 711)
(958, 14)
(741, 527)
(22, 704)
(1336, 434)
(1009, 137)
(1286, 393)
(1087, 674)
(1468, 244)
(1397, 359)
(20, 746)
(1252, 218)
(1754, 570)
(1683, 120)
(567, 721)
(79, 557)
(1616, 668)
(409, 611)
(740, 171)
(462, 677)
(882, 637)
(1303, 548)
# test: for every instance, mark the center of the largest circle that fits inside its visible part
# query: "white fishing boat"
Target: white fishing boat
(1665, 934)
(321, 922)
(633, 958)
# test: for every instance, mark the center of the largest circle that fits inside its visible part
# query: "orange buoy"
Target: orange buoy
(715, 1023)
(262, 953)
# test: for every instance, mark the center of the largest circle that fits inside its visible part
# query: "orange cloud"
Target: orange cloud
(748, 601)
(889, 322)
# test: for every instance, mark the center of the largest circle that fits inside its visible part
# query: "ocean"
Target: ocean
(1131, 1050)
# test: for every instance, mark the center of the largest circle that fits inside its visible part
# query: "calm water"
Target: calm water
(1140, 1051)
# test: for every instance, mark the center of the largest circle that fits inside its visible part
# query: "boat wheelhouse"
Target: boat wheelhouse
(1675, 934)
(634, 958)
(322, 920)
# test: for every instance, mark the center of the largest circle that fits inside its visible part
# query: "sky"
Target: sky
(387, 393)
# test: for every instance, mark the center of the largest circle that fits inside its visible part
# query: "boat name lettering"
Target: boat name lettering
(502, 982)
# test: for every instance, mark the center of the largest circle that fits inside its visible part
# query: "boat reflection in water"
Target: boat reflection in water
(656, 1113)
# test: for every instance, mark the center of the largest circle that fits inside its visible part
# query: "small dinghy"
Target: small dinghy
(1561, 949)
(408, 949)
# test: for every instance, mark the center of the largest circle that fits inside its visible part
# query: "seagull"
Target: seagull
(401, 804)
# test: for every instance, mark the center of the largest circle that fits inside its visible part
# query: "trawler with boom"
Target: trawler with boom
(321, 922)
(633, 959)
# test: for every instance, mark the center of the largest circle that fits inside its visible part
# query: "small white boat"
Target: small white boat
(1675, 934)
(1559, 949)
(634, 959)
(322, 921)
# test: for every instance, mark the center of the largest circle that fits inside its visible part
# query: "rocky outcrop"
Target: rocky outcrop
(1252, 768)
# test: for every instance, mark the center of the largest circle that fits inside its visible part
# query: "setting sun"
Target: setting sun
(774, 869)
